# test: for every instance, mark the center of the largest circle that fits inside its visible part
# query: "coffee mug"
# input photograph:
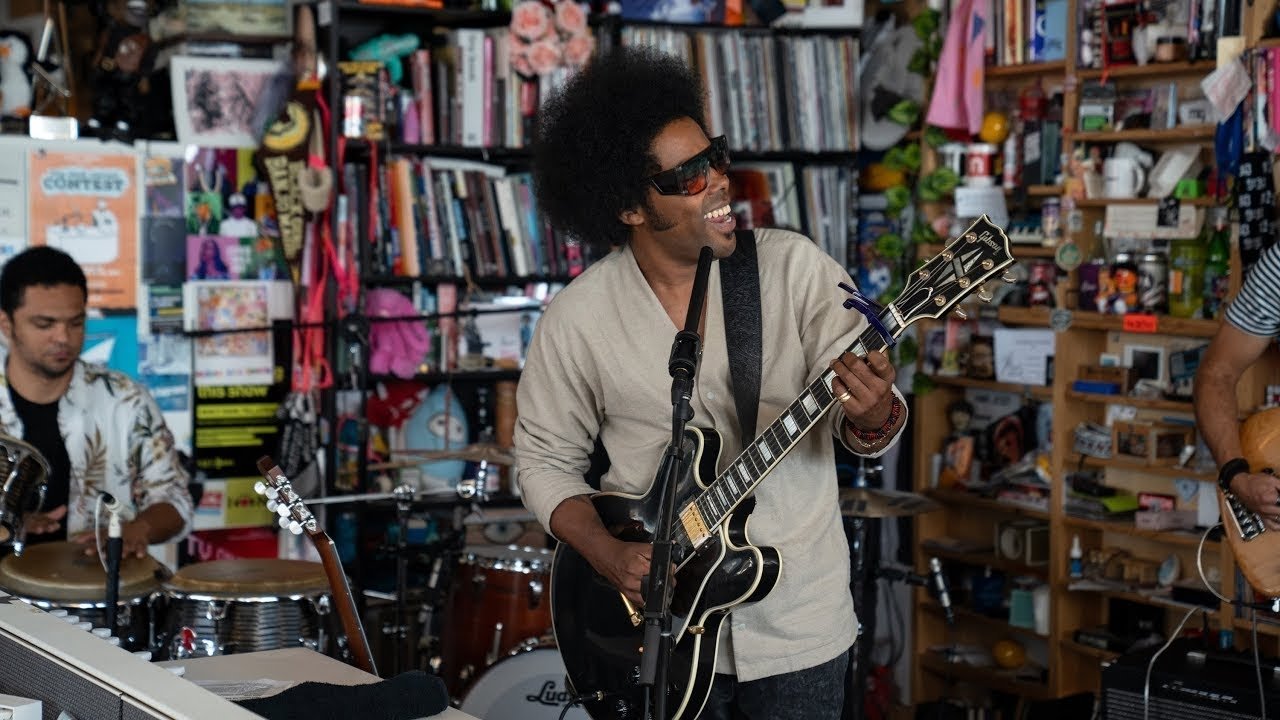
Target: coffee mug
(1122, 177)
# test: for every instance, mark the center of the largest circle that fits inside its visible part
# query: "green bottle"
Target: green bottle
(1186, 275)
(1217, 266)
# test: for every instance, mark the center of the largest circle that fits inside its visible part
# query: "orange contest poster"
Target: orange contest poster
(86, 204)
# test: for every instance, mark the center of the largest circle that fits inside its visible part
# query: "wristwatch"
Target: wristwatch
(1229, 470)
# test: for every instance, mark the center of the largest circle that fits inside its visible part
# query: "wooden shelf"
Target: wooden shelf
(1044, 190)
(968, 616)
(1029, 71)
(980, 559)
(1148, 71)
(1145, 599)
(1266, 627)
(1188, 538)
(1104, 202)
(1141, 135)
(992, 678)
(1161, 470)
(1165, 324)
(968, 499)
(1181, 406)
(1038, 391)
(1033, 316)
(1088, 650)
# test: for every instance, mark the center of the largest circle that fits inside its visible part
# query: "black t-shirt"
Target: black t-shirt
(40, 429)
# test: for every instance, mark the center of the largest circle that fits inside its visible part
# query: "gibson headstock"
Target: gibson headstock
(283, 500)
(968, 261)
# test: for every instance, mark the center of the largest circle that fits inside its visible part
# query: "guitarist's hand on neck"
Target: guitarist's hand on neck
(623, 564)
(864, 388)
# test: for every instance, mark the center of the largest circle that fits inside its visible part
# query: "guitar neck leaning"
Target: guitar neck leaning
(344, 602)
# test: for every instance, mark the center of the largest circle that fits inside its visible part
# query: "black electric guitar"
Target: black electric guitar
(600, 636)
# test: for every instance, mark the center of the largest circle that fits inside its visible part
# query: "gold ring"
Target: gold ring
(844, 397)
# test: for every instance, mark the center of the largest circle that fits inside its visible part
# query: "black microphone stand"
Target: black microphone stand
(683, 365)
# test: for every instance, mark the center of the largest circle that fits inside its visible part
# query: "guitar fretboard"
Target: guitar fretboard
(771, 446)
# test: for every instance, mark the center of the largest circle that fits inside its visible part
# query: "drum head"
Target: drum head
(61, 571)
(508, 557)
(251, 577)
(524, 686)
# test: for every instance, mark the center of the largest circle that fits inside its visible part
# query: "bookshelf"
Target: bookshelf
(1070, 666)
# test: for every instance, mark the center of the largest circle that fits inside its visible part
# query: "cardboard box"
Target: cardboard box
(1124, 378)
(1152, 443)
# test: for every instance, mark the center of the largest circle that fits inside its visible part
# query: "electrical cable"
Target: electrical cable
(1257, 666)
(577, 700)
(1146, 684)
(97, 536)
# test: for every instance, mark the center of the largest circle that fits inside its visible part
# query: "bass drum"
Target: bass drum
(528, 684)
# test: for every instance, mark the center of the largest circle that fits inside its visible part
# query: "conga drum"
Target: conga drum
(235, 606)
(58, 575)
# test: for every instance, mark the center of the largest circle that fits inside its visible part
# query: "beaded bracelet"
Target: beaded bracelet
(870, 437)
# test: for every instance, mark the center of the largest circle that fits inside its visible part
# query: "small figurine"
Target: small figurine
(15, 74)
(120, 68)
(957, 453)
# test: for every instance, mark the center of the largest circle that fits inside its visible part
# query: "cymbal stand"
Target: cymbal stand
(864, 546)
(404, 503)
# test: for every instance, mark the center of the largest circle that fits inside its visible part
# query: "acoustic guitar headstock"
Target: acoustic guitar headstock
(294, 514)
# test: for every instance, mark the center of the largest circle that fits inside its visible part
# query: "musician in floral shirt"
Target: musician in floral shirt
(99, 430)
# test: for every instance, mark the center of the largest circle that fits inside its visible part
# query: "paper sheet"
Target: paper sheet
(236, 690)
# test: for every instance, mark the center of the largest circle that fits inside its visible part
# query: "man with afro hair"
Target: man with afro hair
(623, 158)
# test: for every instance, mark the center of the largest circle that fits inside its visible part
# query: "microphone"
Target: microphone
(940, 587)
(686, 350)
(125, 512)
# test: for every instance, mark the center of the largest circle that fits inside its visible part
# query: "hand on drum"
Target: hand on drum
(134, 534)
(46, 522)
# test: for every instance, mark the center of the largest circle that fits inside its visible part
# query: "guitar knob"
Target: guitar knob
(984, 295)
(1008, 277)
(960, 313)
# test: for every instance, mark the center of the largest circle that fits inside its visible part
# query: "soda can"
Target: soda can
(1153, 283)
(1051, 219)
(1091, 275)
(1042, 276)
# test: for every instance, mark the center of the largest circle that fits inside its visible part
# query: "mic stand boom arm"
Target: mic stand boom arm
(683, 365)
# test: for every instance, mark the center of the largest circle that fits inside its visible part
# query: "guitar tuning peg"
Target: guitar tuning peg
(295, 527)
(984, 295)
(271, 506)
(960, 313)
(260, 488)
(283, 523)
(282, 510)
(1007, 276)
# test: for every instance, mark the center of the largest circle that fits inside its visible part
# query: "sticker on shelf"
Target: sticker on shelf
(1060, 319)
(1140, 323)
(1068, 256)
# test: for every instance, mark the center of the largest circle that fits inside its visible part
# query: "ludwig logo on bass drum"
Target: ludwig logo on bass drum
(548, 695)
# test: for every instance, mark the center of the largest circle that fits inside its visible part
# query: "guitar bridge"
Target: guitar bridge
(1249, 524)
(694, 526)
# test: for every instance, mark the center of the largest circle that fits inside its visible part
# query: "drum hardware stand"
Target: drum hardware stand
(120, 513)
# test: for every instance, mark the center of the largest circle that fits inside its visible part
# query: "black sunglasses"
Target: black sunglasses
(690, 176)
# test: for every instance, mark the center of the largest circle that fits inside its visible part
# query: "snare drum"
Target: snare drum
(499, 599)
(24, 474)
(236, 606)
(58, 575)
(529, 684)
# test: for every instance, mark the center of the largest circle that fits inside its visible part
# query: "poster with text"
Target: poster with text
(87, 205)
(13, 208)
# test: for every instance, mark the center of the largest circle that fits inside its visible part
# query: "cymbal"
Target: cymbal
(876, 503)
(478, 452)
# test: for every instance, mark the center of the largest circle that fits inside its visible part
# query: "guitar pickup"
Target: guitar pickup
(694, 526)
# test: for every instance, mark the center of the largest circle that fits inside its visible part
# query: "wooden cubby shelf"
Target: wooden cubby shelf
(968, 616)
(1148, 71)
(1088, 650)
(1161, 470)
(1180, 406)
(1190, 133)
(1039, 391)
(993, 678)
(968, 499)
(1189, 538)
(981, 559)
(1028, 71)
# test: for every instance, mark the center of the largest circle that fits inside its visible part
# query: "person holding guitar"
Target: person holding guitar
(624, 159)
(1252, 324)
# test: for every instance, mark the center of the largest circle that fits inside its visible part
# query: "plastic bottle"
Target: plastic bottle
(1076, 569)
(1217, 265)
(1186, 275)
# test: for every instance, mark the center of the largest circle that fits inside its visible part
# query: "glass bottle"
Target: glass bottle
(1217, 266)
(1186, 274)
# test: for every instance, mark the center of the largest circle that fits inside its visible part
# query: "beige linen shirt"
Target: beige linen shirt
(598, 366)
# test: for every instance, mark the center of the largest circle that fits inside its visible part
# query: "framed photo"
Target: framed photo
(226, 102)
(1149, 361)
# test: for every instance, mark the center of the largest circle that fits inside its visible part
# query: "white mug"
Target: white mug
(1122, 177)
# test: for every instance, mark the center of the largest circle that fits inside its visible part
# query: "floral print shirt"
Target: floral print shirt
(117, 441)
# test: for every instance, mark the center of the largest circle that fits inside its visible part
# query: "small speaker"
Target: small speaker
(1024, 541)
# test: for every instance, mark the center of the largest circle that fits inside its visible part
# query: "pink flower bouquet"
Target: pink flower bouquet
(546, 36)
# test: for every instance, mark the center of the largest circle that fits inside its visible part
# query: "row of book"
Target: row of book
(449, 217)
(769, 93)
(1025, 31)
(461, 90)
